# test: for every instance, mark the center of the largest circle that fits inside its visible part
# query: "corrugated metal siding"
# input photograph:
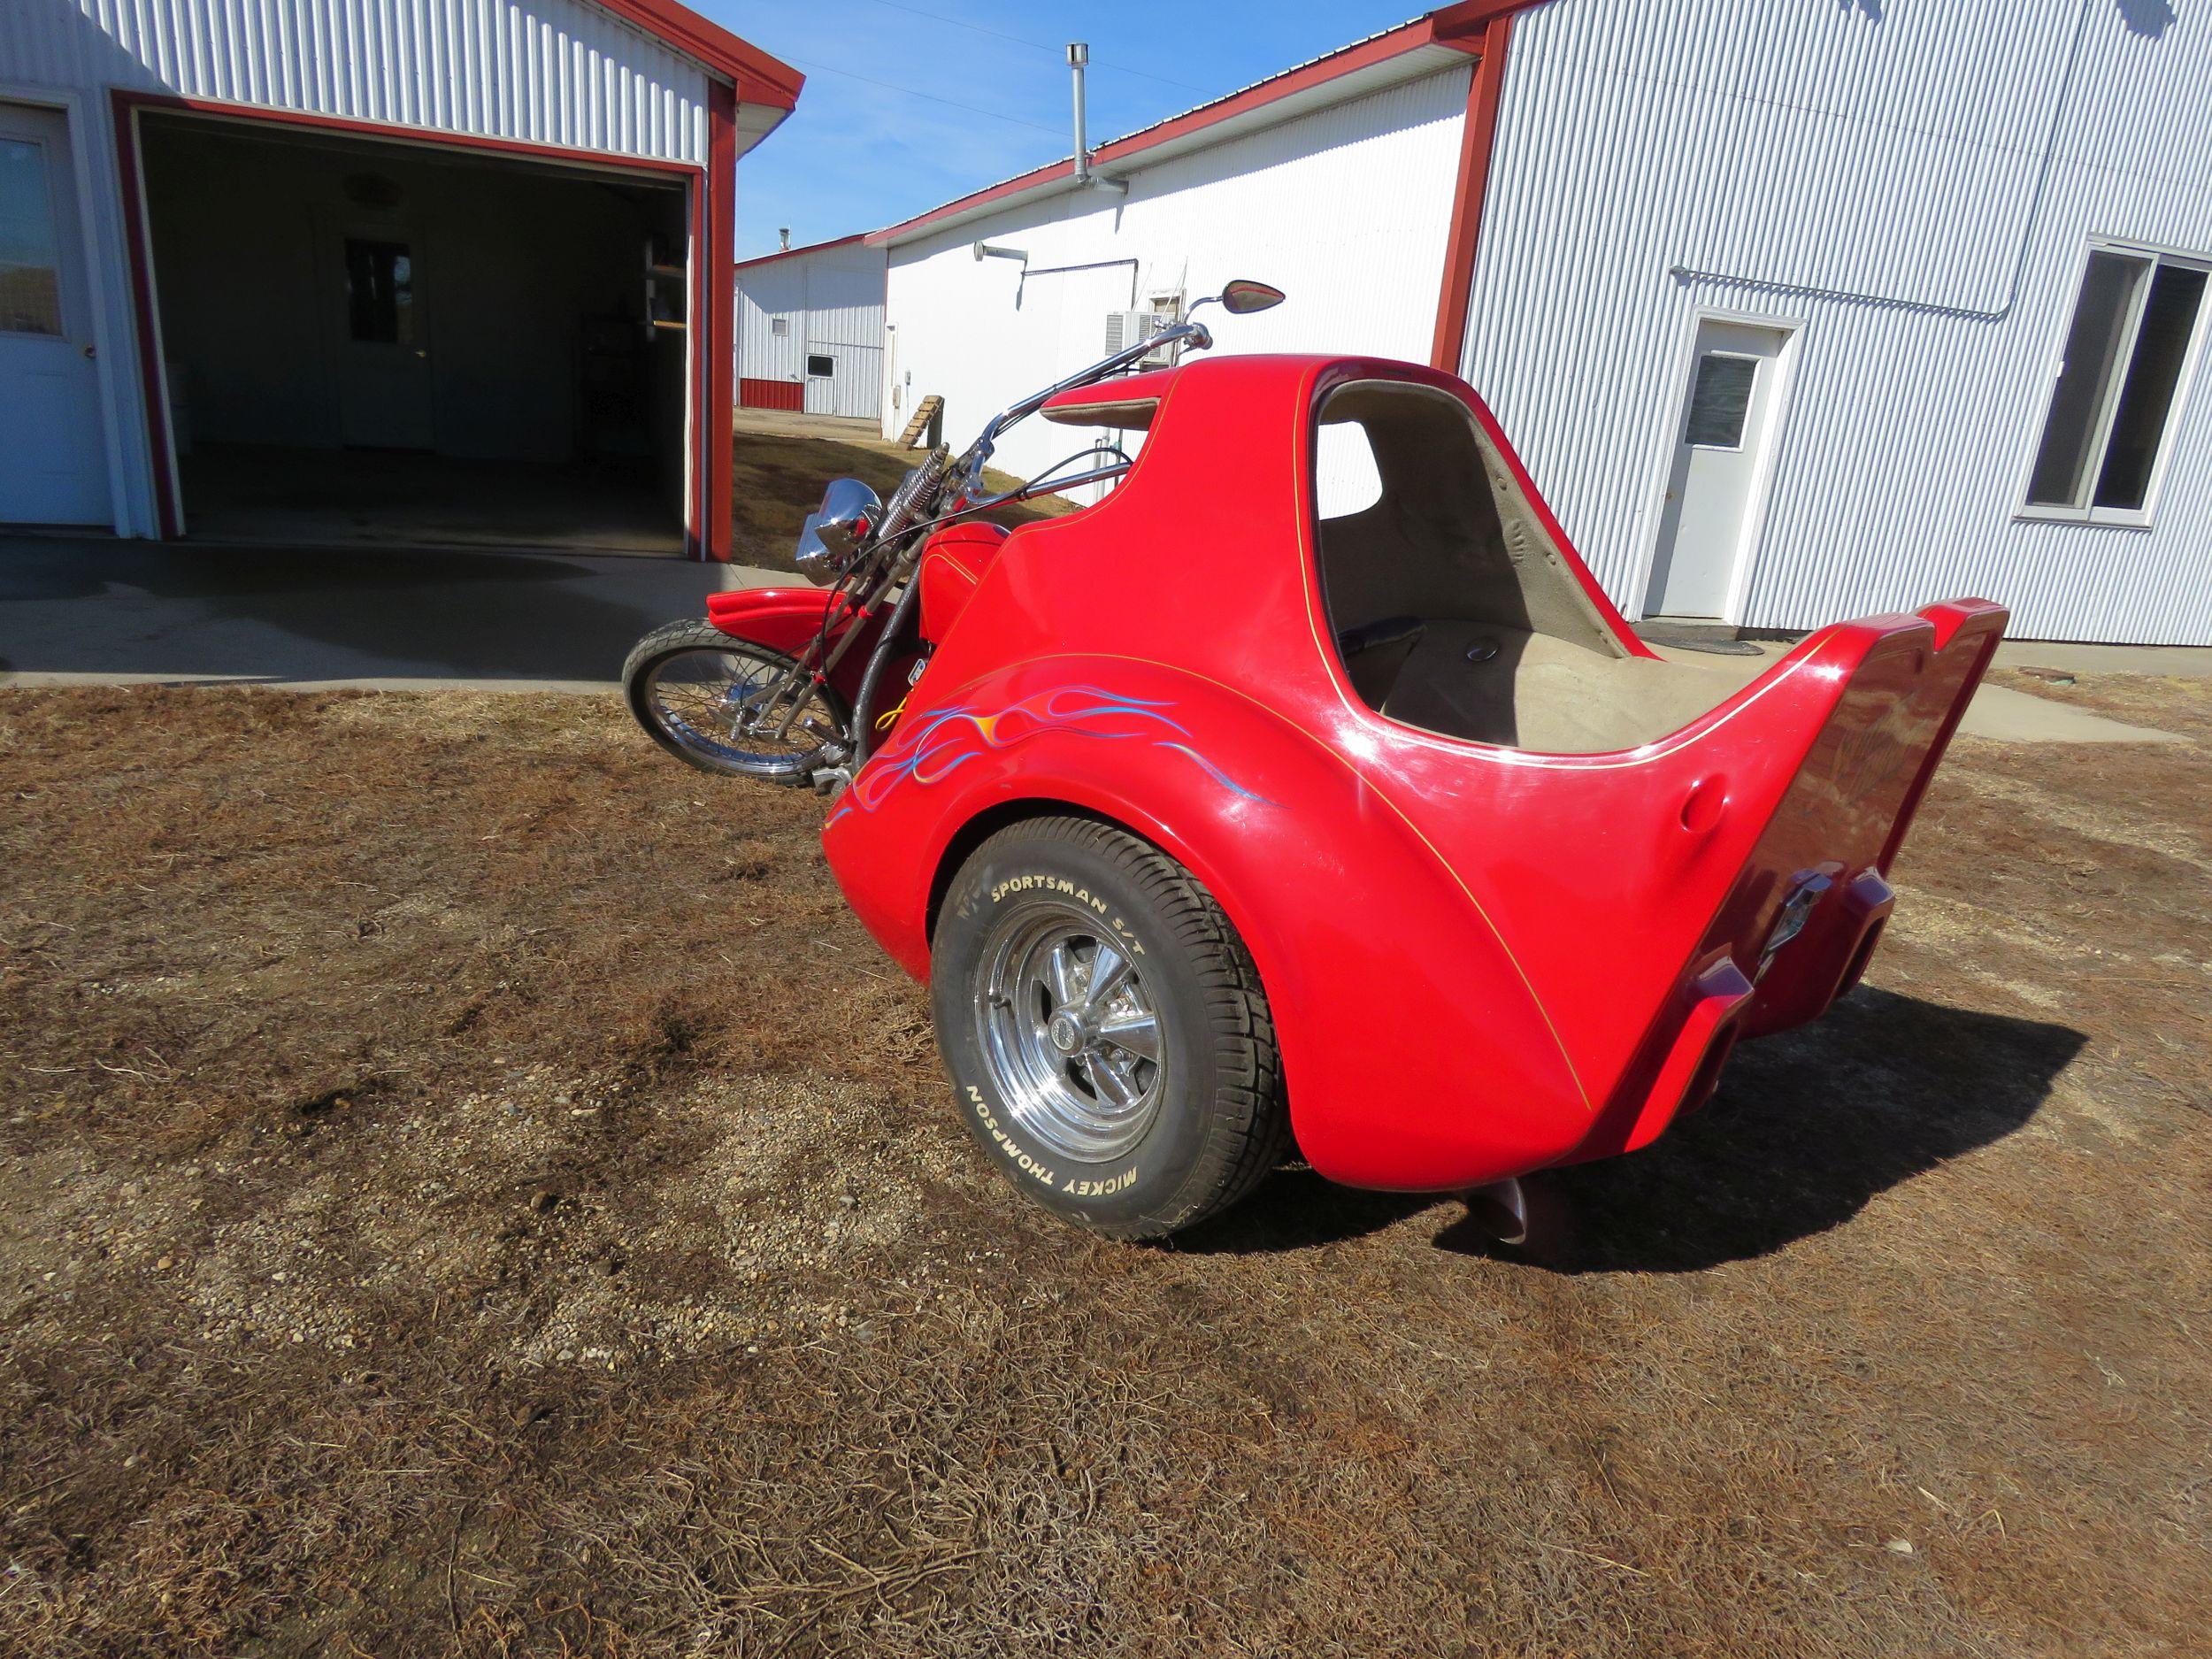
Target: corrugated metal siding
(1896, 152)
(829, 301)
(784, 395)
(552, 71)
(1346, 208)
(547, 72)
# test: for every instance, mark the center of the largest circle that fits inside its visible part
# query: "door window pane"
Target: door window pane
(2161, 345)
(380, 291)
(30, 254)
(1720, 401)
(2083, 392)
(819, 367)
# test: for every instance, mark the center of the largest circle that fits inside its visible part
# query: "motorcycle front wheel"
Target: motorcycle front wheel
(699, 694)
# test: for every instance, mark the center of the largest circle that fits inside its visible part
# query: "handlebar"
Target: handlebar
(888, 550)
(978, 454)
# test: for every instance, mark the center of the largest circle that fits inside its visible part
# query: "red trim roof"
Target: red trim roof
(759, 79)
(1457, 27)
(793, 253)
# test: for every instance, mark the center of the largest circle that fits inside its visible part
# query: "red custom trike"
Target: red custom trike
(1213, 815)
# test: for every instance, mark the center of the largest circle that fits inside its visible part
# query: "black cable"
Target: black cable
(864, 702)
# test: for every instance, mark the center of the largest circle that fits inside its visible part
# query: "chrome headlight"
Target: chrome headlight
(834, 533)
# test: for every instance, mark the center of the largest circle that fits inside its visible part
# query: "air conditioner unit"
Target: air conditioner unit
(1125, 329)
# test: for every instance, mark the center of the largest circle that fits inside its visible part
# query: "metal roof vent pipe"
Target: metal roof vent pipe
(1078, 59)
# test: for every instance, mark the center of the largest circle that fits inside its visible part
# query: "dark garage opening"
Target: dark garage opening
(389, 344)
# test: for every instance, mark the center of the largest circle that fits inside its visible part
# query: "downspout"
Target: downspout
(1062, 270)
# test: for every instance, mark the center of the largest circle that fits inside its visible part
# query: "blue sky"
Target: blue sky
(973, 105)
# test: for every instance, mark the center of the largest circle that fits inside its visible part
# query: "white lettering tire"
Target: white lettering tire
(1108, 1040)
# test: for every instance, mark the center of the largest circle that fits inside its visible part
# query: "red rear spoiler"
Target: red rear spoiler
(1795, 927)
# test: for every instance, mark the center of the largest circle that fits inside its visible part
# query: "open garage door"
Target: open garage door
(399, 345)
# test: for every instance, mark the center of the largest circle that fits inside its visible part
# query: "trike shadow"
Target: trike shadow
(1806, 1128)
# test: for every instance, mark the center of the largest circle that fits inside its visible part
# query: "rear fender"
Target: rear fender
(788, 619)
(1415, 1053)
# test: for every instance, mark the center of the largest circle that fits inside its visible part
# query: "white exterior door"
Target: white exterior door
(383, 338)
(1722, 453)
(820, 394)
(53, 454)
(894, 388)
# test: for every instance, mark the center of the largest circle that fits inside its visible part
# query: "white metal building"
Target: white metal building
(335, 264)
(809, 329)
(1794, 311)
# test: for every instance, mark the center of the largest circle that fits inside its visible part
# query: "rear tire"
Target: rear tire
(1108, 1040)
(686, 683)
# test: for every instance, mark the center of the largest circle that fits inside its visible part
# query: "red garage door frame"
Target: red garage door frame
(711, 300)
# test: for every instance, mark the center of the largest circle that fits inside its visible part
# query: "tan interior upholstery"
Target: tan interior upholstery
(1540, 693)
(1513, 651)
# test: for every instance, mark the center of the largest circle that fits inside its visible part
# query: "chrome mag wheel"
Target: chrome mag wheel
(1071, 1032)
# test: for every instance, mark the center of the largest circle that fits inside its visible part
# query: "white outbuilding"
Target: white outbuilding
(809, 329)
(415, 271)
(1793, 311)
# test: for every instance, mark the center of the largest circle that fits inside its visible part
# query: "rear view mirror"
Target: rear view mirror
(1243, 296)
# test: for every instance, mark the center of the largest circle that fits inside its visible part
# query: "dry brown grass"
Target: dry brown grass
(778, 479)
(467, 1186)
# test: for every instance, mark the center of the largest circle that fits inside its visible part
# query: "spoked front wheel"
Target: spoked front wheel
(705, 697)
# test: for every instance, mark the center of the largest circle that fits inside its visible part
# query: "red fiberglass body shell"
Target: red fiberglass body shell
(1480, 960)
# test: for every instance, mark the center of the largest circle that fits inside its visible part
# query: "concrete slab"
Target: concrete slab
(1997, 713)
(398, 499)
(2015, 717)
(2189, 661)
(91, 610)
(790, 423)
(79, 611)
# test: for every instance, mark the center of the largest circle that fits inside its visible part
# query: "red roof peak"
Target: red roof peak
(1455, 28)
(759, 78)
(793, 253)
